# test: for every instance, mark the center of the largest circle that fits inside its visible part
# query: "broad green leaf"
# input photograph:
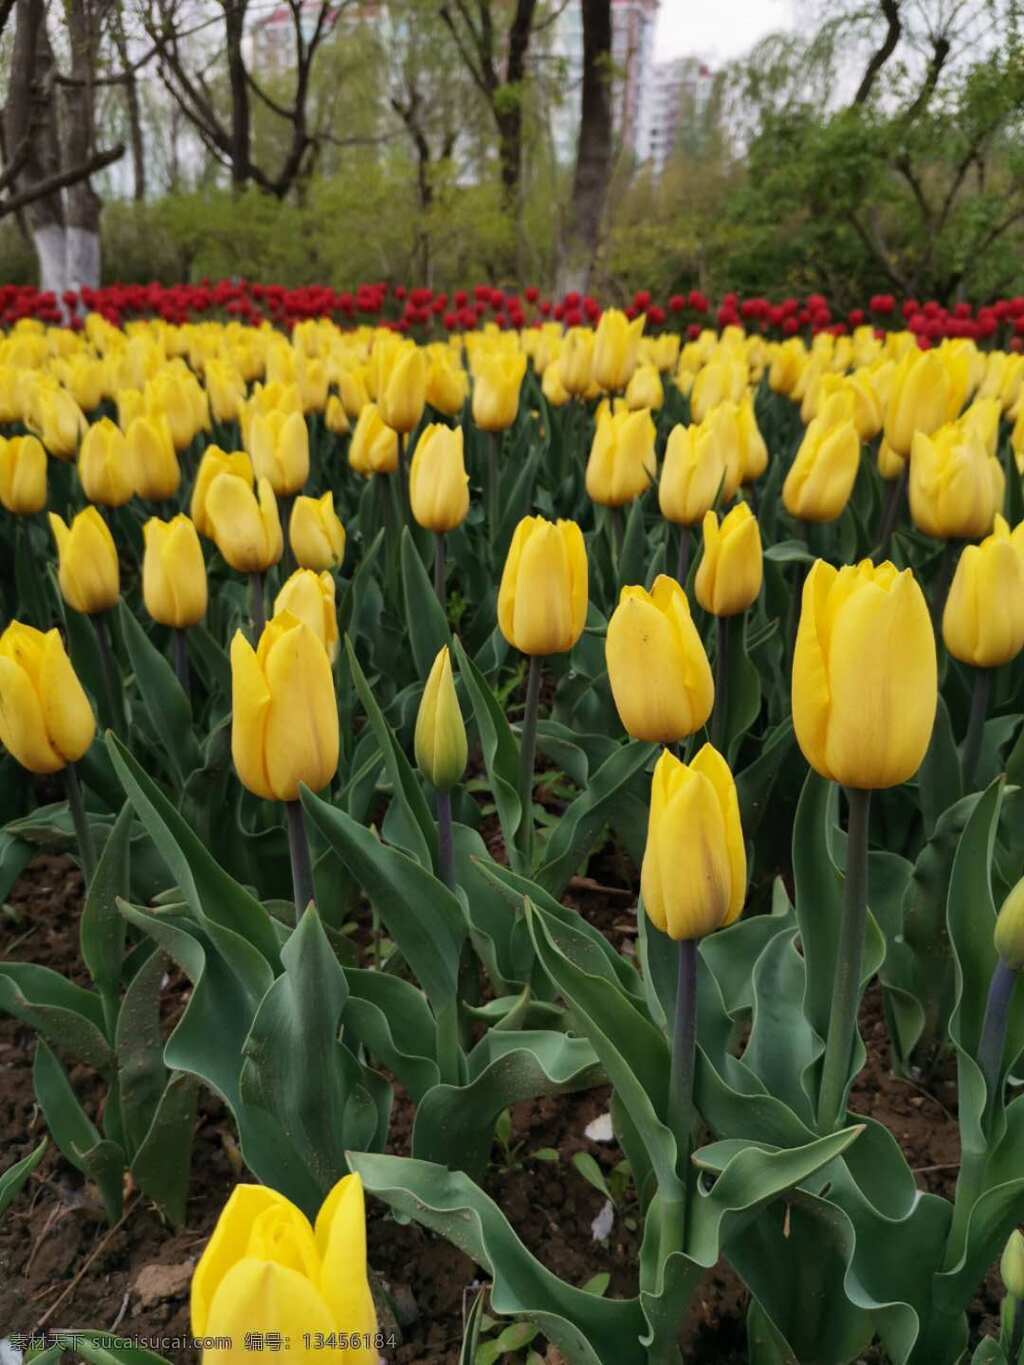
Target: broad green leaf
(14, 1178)
(424, 616)
(168, 707)
(161, 1165)
(69, 1016)
(74, 1133)
(102, 928)
(499, 745)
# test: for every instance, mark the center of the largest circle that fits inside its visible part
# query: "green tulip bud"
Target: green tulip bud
(440, 741)
(1011, 1267)
(1009, 932)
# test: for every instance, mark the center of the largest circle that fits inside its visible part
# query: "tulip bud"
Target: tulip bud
(336, 418)
(284, 722)
(310, 597)
(691, 476)
(247, 531)
(352, 391)
(917, 401)
(553, 385)
(577, 360)
(616, 344)
(659, 673)
(374, 446)
(955, 488)
(438, 482)
(864, 674)
(105, 465)
(88, 570)
(155, 464)
(724, 380)
(440, 741)
(1009, 931)
(983, 620)
(645, 389)
(821, 478)
(279, 446)
(729, 578)
(788, 361)
(447, 385)
(316, 535)
(22, 475)
(215, 461)
(890, 465)
(1011, 1265)
(404, 393)
(46, 721)
(173, 573)
(694, 875)
(622, 461)
(753, 451)
(265, 1271)
(542, 598)
(496, 384)
(58, 421)
(722, 428)
(226, 390)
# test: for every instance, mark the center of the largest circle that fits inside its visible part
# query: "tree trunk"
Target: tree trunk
(593, 151)
(30, 120)
(132, 108)
(234, 29)
(83, 203)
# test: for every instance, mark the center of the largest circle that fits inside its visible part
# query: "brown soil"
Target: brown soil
(60, 1266)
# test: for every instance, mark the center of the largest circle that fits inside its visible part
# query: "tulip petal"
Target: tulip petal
(341, 1242)
(67, 714)
(250, 710)
(301, 738)
(257, 1297)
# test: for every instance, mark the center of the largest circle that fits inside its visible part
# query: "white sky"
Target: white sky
(717, 29)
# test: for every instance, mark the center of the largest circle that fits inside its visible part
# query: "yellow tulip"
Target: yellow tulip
(440, 740)
(664, 352)
(88, 571)
(83, 378)
(542, 597)
(105, 465)
(335, 417)
(788, 361)
(279, 446)
(173, 572)
(266, 1270)
(645, 390)
(1008, 937)
(890, 465)
(729, 578)
(864, 674)
(315, 534)
(983, 621)
(983, 417)
(247, 531)
(22, 475)
(284, 721)
(169, 395)
(438, 482)
(691, 476)
(404, 393)
(955, 487)
(553, 385)
(447, 385)
(374, 445)
(312, 382)
(616, 344)
(917, 401)
(59, 422)
(659, 673)
(724, 380)
(753, 451)
(821, 478)
(722, 427)
(155, 463)
(577, 360)
(622, 460)
(352, 390)
(694, 875)
(226, 390)
(215, 461)
(496, 383)
(46, 721)
(310, 597)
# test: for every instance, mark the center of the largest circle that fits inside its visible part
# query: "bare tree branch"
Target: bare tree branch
(61, 180)
(891, 11)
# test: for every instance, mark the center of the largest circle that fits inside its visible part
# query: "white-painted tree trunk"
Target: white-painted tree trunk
(82, 249)
(50, 242)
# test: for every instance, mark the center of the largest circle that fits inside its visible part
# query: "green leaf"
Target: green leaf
(101, 929)
(588, 1330)
(939, 782)
(141, 1076)
(424, 616)
(161, 1166)
(69, 1016)
(169, 709)
(421, 914)
(105, 1349)
(390, 1017)
(474, 1325)
(592, 1173)
(14, 1178)
(73, 1132)
(500, 748)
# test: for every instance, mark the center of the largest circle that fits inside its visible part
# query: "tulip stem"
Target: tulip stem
(950, 551)
(720, 714)
(683, 556)
(1017, 1335)
(842, 1024)
(439, 568)
(492, 486)
(445, 844)
(180, 647)
(527, 754)
(403, 479)
(891, 513)
(684, 1047)
(83, 832)
(976, 725)
(993, 1030)
(288, 563)
(302, 865)
(113, 697)
(257, 606)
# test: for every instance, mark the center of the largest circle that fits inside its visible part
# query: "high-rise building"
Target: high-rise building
(679, 93)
